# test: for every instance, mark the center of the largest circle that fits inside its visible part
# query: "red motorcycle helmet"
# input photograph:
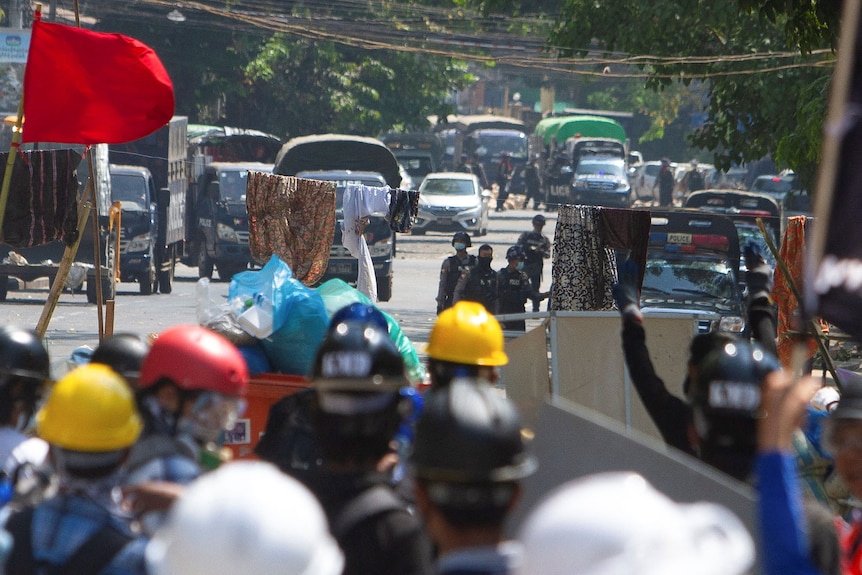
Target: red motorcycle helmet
(195, 358)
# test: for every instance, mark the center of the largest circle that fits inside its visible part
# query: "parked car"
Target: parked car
(693, 265)
(452, 201)
(775, 185)
(602, 181)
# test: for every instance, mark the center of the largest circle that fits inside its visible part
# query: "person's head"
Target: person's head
(843, 432)
(461, 241)
(725, 402)
(665, 161)
(125, 354)
(463, 158)
(90, 421)
(539, 222)
(485, 256)
(245, 517)
(694, 163)
(515, 256)
(468, 458)
(702, 345)
(193, 380)
(24, 372)
(504, 155)
(358, 375)
(466, 341)
(617, 523)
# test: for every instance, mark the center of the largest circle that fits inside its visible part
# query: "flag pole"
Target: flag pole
(13, 152)
(810, 325)
(831, 152)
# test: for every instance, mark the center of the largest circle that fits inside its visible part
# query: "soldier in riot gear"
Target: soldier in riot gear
(453, 269)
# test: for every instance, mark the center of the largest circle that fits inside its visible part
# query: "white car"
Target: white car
(452, 202)
(645, 177)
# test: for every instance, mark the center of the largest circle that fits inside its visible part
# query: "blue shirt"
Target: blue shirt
(63, 524)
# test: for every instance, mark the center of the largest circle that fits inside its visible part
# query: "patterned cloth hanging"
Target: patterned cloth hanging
(585, 268)
(43, 195)
(293, 218)
(403, 209)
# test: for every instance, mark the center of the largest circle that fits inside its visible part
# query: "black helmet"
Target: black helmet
(124, 353)
(24, 361)
(462, 237)
(358, 356)
(22, 356)
(515, 253)
(726, 396)
(539, 220)
(468, 433)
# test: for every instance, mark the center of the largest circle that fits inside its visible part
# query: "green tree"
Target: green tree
(309, 87)
(761, 63)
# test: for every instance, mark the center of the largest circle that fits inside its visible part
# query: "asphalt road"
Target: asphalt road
(74, 322)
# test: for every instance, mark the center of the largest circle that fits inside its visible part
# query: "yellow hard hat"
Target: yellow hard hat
(466, 333)
(90, 409)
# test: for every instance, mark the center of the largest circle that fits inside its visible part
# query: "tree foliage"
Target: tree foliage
(290, 86)
(753, 107)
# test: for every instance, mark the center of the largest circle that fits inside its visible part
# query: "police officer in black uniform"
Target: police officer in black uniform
(453, 269)
(537, 248)
(514, 288)
(468, 460)
(480, 283)
(358, 377)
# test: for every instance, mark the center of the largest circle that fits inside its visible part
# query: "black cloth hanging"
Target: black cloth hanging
(43, 198)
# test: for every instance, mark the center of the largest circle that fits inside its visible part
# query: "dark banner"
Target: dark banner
(838, 278)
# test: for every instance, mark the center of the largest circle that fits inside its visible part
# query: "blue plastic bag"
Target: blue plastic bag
(299, 317)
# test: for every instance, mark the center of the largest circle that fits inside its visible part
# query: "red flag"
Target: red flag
(83, 87)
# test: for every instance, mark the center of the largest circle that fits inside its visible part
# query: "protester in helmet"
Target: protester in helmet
(124, 353)
(453, 269)
(618, 523)
(24, 372)
(537, 248)
(468, 461)
(191, 390)
(466, 341)
(246, 517)
(480, 282)
(514, 289)
(674, 416)
(358, 377)
(90, 422)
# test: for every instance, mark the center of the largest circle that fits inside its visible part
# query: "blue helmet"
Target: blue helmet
(362, 313)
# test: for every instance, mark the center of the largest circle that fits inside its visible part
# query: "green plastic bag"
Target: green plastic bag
(337, 294)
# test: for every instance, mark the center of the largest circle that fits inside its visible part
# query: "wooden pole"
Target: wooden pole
(97, 255)
(10, 161)
(68, 257)
(811, 327)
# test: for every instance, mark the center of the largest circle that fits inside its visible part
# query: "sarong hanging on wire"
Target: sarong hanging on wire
(43, 195)
(293, 218)
(585, 268)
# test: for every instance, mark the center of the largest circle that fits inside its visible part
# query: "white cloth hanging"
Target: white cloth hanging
(360, 202)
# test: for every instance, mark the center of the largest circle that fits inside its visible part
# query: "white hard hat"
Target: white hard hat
(618, 524)
(245, 517)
